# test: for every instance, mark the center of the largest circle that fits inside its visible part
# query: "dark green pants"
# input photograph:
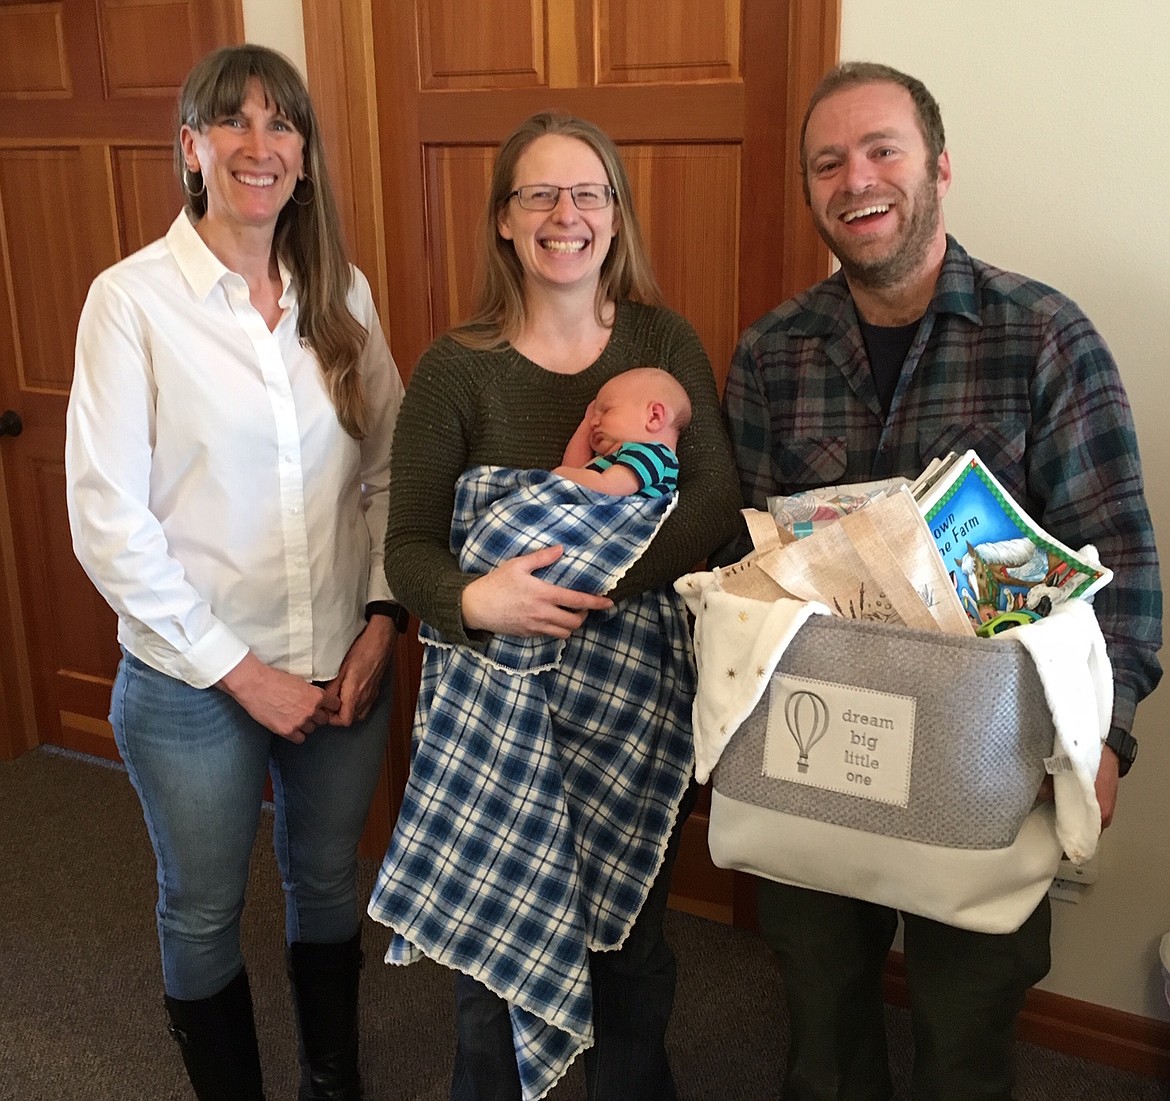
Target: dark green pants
(965, 992)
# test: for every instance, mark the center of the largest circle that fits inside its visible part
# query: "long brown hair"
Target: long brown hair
(499, 309)
(308, 231)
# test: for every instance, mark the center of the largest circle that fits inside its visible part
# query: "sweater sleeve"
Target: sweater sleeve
(430, 451)
(707, 513)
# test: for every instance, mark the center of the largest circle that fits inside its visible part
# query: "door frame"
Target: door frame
(18, 730)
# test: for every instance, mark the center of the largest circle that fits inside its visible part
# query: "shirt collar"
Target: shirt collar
(202, 269)
(955, 290)
(288, 296)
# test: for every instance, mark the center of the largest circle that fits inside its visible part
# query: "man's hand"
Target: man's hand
(1106, 785)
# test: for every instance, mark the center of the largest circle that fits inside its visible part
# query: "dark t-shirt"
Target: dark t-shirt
(886, 347)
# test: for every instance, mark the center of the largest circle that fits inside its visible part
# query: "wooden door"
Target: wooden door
(87, 101)
(703, 97)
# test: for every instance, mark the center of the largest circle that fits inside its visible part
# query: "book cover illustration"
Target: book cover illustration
(999, 559)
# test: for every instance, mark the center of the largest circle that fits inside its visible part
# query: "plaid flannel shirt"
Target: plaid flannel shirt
(1001, 364)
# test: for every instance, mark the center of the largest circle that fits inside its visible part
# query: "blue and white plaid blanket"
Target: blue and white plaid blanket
(546, 774)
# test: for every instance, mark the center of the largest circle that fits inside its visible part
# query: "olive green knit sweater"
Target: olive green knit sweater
(465, 408)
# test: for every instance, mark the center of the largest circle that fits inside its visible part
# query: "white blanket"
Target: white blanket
(738, 643)
(1063, 645)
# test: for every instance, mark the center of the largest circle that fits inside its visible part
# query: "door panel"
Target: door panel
(57, 237)
(688, 199)
(32, 53)
(498, 45)
(703, 98)
(456, 179)
(145, 194)
(671, 40)
(87, 93)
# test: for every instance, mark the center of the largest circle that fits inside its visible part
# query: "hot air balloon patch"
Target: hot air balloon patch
(839, 737)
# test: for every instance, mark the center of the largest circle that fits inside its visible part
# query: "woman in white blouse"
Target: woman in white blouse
(228, 460)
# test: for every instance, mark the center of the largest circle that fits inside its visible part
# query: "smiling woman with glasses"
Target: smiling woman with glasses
(566, 301)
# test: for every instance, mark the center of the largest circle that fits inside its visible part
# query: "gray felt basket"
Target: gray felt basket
(982, 731)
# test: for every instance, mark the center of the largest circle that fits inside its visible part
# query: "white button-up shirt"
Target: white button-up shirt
(214, 499)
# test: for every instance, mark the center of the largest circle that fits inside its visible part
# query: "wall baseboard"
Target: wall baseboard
(1109, 1036)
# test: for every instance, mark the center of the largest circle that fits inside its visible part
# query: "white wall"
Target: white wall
(279, 24)
(1056, 118)
(1056, 114)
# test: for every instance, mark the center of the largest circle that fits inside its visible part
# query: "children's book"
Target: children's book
(999, 560)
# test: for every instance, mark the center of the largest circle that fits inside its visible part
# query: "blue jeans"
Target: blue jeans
(198, 762)
(633, 995)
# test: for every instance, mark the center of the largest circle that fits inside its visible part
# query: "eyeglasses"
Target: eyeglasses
(586, 196)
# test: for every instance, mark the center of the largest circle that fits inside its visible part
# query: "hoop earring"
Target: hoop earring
(186, 175)
(312, 193)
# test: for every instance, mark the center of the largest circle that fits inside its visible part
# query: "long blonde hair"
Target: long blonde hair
(499, 310)
(308, 230)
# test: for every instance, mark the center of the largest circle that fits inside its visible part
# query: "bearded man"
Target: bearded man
(915, 349)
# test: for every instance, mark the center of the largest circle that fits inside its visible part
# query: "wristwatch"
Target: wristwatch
(1124, 745)
(399, 616)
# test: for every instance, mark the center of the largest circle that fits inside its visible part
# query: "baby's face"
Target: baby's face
(620, 415)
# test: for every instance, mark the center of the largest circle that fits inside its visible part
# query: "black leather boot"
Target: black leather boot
(324, 981)
(217, 1037)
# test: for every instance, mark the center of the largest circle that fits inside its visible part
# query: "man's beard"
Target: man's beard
(907, 254)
